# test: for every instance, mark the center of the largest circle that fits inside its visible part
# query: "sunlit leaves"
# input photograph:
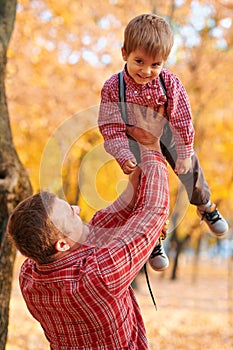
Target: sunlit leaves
(62, 52)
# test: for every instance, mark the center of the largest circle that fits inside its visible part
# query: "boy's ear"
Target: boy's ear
(124, 55)
(62, 245)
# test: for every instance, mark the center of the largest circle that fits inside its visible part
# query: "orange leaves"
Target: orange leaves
(62, 52)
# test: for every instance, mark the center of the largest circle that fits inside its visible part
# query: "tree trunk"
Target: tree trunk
(179, 248)
(14, 181)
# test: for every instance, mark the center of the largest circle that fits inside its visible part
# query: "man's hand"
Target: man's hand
(183, 166)
(148, 128)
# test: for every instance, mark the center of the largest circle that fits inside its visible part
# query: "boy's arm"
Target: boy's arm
(112, 126)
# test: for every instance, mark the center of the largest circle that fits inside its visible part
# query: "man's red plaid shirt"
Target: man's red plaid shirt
(84, 300)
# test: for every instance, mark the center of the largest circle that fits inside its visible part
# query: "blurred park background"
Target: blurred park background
(60, 54)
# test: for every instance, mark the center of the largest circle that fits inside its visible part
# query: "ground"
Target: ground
(194, 312)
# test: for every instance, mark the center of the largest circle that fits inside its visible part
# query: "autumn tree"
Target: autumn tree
(14, 182)
(60, 55)
(69, 50)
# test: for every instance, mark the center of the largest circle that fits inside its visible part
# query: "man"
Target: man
(77, 279)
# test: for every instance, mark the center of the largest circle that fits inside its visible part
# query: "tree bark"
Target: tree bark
(14, 181)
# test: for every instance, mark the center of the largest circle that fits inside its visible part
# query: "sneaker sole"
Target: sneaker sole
(219, 235)
(159, 270)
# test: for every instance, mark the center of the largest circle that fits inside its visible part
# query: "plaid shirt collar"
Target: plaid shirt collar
(64, 262)
(131, 84)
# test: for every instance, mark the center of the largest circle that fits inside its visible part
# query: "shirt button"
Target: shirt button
(148, 97)
(135, 92)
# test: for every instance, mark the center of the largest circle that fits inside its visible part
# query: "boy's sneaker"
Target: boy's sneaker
(158, 259)
(214, 220)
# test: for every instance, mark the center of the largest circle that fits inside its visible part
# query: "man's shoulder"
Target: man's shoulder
(27, 268)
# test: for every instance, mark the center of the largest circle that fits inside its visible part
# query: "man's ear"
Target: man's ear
(62, 245)
(124, 54)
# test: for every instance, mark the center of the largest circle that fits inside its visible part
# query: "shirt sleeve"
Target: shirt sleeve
(180, 116)
(112, 126)
(131, 245)
(107, 221)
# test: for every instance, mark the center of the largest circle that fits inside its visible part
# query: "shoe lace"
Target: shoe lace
(211, 217)
(149, 287)
(156, 251)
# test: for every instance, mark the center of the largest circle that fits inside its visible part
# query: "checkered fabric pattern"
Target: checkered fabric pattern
(84, 300)
(178, 112)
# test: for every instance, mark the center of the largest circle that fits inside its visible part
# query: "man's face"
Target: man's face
(66, 218)
(141, 67)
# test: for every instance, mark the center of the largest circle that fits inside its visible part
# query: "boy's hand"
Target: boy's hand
(129, 166)
(183, 166)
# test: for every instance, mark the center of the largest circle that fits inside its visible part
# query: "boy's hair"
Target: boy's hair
(31, 229)
(150, 33)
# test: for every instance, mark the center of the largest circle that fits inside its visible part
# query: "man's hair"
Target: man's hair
(149, 33)
(31, 229)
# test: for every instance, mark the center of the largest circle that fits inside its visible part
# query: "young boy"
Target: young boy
(148, 40)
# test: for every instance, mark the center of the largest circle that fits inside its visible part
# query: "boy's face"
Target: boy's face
(141, 67)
